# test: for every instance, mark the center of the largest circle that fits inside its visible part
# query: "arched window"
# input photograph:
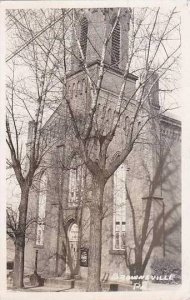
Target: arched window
(41, 211)
(115, 45)
(103, 112)
(119, 217)
(84, 89)
(126, 124)
(83, 35)
(75, 186)
(109, 113)
(79, 88)
(98, 110)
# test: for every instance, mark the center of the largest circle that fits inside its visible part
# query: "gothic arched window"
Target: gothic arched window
(126, 124)
(75, 186)
(84, 90)
(119, 217)
(83, 35)
(79, 88)
(41, 211)
(115, 45)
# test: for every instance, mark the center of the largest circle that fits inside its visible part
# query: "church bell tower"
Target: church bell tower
(92, 27)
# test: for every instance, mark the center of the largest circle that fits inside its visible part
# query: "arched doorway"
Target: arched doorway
(73, 236)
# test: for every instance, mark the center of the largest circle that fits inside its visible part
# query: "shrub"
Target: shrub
(166, 267)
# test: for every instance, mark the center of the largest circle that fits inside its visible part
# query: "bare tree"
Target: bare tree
(97, 138)
(97, 135)
(66, 249)
(12, 223)
(30, 85)
(157, 218)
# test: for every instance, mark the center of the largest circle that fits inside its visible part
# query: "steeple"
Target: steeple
(92, 27)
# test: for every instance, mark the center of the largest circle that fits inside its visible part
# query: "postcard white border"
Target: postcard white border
(183, 293)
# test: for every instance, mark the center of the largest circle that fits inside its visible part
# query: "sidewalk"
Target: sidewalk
(150, 287)
(45, 289)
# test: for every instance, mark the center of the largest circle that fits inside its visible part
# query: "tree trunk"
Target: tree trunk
(18, 264)
(18, 275)
(94, 268)
(138, 265)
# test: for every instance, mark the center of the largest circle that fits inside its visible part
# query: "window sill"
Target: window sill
(117, 252)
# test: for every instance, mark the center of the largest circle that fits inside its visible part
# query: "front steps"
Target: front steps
(61, 283)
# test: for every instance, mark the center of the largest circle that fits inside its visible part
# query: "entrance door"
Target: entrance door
(73, 241)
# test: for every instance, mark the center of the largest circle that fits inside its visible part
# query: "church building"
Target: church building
(59, 239)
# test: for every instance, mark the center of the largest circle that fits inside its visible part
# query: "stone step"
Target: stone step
(60, 282)
(65, 283)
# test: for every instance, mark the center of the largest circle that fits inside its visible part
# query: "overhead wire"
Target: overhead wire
(11, 56)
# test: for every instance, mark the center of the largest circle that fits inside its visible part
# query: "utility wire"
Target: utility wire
(33, 38)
